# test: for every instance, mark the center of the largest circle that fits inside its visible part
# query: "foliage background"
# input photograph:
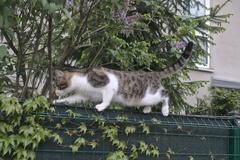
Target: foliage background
(220, 102)
(127, 35)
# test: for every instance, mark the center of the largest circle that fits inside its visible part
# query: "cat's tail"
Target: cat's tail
(179, 64)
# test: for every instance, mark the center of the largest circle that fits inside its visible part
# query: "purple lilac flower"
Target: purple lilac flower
(131, 19)
(179, 45)
(69, 3)
(121, 15)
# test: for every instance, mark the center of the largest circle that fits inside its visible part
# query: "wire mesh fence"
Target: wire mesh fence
(174, 137)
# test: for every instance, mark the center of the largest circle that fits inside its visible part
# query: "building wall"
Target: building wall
(224, 68)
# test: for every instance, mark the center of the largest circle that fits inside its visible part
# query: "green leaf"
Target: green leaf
(71, 113)
(3, 48)
(119, 144)
(122, 118)
(44, 3)
(118, 155)
(190, 158)
(57, 138)
(53, 7)
(156, 121)
(130, 129)
(154, 151)
(83, 128)
(5, 128)
(74, 148)
(58, 125)
(134, 153)
(80, 142)
(92, 144)
(26, 130)
(143, 147)
(145, 128)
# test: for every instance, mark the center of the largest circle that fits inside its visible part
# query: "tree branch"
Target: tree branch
(50, 57)
(9, 42)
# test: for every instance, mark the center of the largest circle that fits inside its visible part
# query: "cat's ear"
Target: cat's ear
(58, 73)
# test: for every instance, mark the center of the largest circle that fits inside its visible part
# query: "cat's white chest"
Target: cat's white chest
(84, 88)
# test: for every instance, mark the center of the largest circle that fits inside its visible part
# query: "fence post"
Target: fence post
(234, 140)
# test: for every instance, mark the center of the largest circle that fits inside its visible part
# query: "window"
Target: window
(200, 10)
(197, 11)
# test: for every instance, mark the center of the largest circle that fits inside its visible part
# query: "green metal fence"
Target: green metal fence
(176, 137)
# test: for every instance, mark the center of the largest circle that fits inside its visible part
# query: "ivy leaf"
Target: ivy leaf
(99, 119)
(154, 151)
(58, 126)
(143, 146)
(134, 153)
(118, 155)
(31, 155)
(169, 153)
(5, 128)
(74, 148)
(83, 128)
(122, 118)
(179, 128)
(26, 141)
(57, 138)
(92, 144)
(80, 142)
(120, 144)
(168, 156)
(156, 121)
(165, 130)
(148, 152)
(26, 130)
(130, 129)
(145, 128)
(71, 113)
(110, 132)
(92, 133)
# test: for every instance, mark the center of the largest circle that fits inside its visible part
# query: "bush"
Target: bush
(220, 102)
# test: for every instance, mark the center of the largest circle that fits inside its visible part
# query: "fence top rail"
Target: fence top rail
(131, 115)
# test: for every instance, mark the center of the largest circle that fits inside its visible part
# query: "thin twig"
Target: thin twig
(50, 57)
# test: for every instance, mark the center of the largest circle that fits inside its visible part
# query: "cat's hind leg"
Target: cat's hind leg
(165, 103)
(165, 106)
(71, 100)
(107, 95)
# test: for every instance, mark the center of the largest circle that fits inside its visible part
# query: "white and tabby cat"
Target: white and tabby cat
(128, 88)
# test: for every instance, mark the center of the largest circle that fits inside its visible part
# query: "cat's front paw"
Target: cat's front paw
(100, 107)
(54, 102)
(147, 109)
(58, 93)
(59, 101)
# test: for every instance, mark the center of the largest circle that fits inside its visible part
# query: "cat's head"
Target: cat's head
(62, 79)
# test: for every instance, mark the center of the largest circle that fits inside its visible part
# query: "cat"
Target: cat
(128, 88)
